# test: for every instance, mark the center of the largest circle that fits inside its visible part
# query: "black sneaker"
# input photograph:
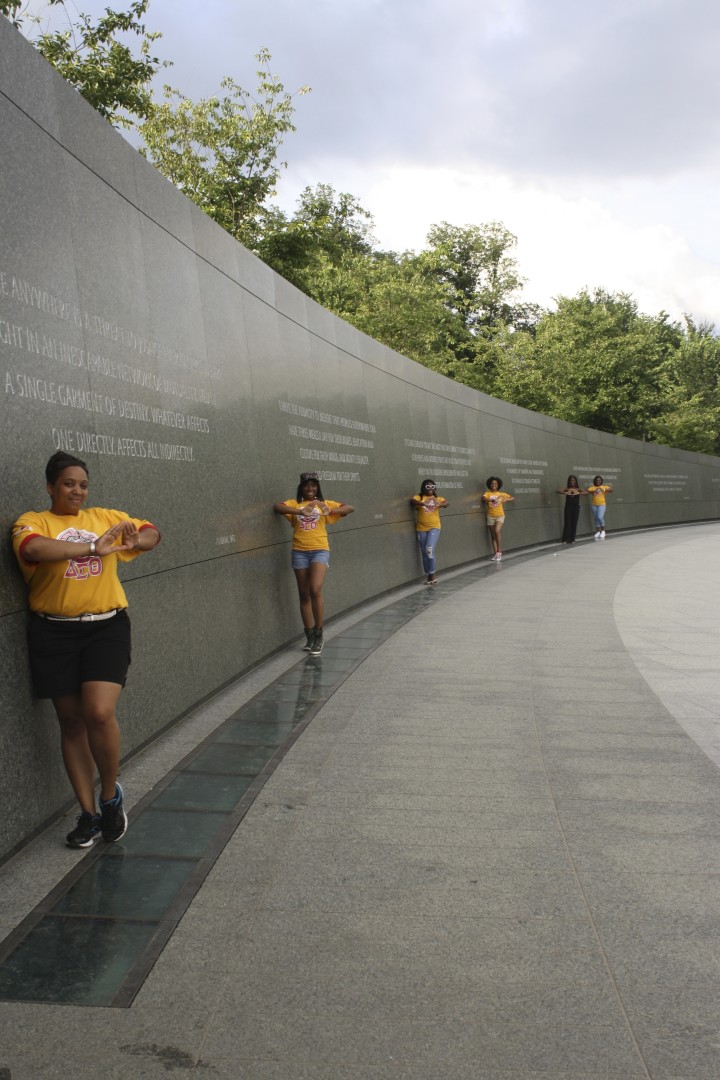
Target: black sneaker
(317, 643)
(114, 818)
(85, 832)
(309, 635)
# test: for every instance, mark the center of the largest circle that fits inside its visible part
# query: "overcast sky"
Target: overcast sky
(590, 130)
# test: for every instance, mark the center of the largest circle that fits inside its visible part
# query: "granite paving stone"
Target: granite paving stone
(513, 879)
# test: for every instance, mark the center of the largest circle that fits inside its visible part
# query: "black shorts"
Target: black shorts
(64, 655)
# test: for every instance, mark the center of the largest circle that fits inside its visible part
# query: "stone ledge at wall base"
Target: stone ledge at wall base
(197, 385)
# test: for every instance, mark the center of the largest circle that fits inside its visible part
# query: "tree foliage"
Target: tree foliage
(91, 57)
(326, 248)
(476, 267)
(326, 228)
(222, 151)
(597, 361)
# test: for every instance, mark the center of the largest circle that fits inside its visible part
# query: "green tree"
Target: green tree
(689, 383)
(394, 299)
(593, 361)
(90, 57)
(222, 151)
(475, 266)
(326, 248)
(480, 274)
(599, 362)
(326, 227)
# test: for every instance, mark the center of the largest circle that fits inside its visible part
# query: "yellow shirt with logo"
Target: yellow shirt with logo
(598, 494)
(88, 585)
(310, 534)
(494, 501)
(427, 516)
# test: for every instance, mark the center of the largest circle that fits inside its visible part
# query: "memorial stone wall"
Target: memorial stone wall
(197, 385)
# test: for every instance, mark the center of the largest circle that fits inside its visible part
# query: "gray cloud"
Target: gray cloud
(626, 88)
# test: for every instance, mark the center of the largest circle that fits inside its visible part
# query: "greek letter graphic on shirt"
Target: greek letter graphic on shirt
(87, 565)
(310, 521)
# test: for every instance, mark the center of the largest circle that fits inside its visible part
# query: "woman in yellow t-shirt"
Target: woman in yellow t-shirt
(427, 506)
(598, 490)
(495, 499)
(79, 632)
(310, 514)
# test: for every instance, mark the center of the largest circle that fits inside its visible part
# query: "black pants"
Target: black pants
(572, 512)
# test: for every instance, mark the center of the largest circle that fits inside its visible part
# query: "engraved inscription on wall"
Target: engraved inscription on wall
(165, 398)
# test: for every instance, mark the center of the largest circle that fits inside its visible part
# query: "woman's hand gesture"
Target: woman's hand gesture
(126, 531)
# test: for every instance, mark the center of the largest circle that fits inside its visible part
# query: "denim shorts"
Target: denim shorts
(302, 560)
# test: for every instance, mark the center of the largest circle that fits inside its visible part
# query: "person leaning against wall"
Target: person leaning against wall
(79, 632)
(572, 492)
(494, 499)
(427, 506)
(309, 514)
(599, 490)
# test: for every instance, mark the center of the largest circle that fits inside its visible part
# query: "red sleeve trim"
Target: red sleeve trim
(28, 562)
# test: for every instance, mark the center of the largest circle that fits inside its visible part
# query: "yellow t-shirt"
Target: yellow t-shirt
(598, 494)
(88, 585)
(494, 503)
(310, 534)
(427, 516)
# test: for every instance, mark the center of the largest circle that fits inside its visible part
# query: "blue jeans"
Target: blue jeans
(598, 513)
(427, 541)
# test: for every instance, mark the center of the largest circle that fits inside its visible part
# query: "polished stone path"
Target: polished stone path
(489, 855)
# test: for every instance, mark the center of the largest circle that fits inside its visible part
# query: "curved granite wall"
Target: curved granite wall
(197, 384)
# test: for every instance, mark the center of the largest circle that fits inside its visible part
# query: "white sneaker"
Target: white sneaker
(495, 557)
(602, 535)
(499, 556)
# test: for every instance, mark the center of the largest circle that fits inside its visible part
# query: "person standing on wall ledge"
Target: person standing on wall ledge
(427, 506)
(310, 514)
(79, 633)
(598, 490)
(572, 494)
(495, 499)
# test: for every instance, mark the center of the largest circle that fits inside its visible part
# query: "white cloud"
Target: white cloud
(566, 242)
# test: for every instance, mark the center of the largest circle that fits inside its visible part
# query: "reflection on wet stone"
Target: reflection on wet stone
(173, 832)
(243, 731)
(232, 758)
(123, 886)
(193, 792)
(73, 961)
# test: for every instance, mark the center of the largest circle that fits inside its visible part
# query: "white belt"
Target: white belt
(79, 618)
